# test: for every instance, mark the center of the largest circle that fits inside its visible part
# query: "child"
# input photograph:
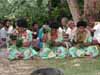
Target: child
(67, 42)
(57, 42)
(35, 38)
(35, 41)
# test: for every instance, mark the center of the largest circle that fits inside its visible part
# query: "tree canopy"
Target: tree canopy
(40, 10)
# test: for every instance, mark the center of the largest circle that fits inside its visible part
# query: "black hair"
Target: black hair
(82, 23)
(6, 20)
(22, 23)
(54, 25)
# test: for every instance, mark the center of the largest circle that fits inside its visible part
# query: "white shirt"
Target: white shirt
(97, 32)
(60, 32)
(3, 33)
(10, 30)
(71, 32)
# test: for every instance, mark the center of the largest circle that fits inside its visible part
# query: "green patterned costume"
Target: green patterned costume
(17, 51)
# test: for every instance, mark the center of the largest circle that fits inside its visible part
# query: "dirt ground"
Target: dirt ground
(20, 67)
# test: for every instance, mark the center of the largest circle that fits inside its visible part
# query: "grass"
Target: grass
(70, 66)
(81, 66)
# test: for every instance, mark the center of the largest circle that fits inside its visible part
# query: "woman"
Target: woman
(22, 47)
(83, 42)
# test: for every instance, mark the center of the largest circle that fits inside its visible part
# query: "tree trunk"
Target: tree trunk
(88, 7)
(74, 10)
(92, 7)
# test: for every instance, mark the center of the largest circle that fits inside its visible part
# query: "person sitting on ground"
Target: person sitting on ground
(83, 44)
(23, 42)
(71, 31)
(9, 26)
(45, 29)
(35, 40)
(63, 28)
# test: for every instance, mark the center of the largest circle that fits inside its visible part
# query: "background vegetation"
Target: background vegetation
(38, 10)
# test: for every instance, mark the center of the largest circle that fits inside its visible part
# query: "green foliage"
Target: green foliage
(30, 9)
(38, 10)
(35, 10)
(60, 10)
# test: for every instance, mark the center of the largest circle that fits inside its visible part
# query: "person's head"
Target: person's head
(81, 25)
(64, 21)
(7, 22)
(71, 24)
(91, 21)
(21, 24)
(35, 26)
(54, 27)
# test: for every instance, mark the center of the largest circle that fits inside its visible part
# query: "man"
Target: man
(63, 27)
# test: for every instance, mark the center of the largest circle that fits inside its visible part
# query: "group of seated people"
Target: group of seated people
(49, 41)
